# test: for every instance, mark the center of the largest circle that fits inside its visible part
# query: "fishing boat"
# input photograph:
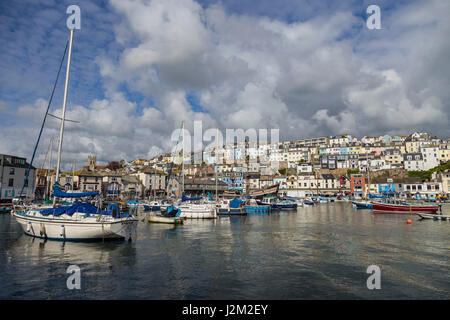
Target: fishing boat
(79, 221)
(171, 215)
(399, 206)
(231, 207)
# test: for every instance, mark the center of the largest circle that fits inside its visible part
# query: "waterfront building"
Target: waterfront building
(89, 181)
(357, 185)
(112, 184)
(12, 177)
(233, 180)
(153, 180)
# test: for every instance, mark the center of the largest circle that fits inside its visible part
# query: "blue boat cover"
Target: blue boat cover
(373, 196)
(70, 210)
(83, 207)
(59, 194)
(235, 203)
(184, 198)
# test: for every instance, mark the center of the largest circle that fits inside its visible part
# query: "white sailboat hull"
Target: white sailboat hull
(55, 228)
(197, 211)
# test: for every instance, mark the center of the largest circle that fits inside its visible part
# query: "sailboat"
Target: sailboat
(194, 208)
(80, 221)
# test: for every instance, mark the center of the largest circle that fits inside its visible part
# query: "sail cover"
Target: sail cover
(59, 194)
(76, 207)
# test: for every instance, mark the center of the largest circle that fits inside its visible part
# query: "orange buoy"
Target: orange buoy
(408, 221)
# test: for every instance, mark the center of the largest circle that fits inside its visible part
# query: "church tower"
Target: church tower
(92, 162)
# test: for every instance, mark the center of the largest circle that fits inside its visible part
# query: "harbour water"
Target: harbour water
(319, 252)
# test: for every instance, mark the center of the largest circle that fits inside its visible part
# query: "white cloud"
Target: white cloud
(319, 76)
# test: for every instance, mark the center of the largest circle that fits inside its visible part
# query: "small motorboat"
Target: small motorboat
(276, 204)
(362, 204)
(308, 202)
(170, 215)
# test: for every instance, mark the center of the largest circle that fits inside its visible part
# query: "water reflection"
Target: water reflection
(317, 252)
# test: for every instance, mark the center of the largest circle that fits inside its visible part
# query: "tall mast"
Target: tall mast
(49, 171)
(182, 161)
(217, 156)
(154, 187)
(73, 175)
(61, 130)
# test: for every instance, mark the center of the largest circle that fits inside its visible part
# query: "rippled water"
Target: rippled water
(319, 252)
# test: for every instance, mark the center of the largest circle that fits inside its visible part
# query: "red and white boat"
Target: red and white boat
(403, 207)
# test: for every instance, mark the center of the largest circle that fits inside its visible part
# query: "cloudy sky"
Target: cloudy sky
(140, 67)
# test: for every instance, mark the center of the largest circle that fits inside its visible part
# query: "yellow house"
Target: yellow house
(412, 146)
(444, 155)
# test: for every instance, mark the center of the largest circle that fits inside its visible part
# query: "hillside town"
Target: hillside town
(328, 165)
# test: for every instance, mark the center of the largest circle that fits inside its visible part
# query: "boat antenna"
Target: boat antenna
(61, 130)
(43, 122)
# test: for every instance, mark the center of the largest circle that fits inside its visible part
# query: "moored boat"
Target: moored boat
(171, 215)
(78, 221)
(233, 207)
(277, 204)
(362, 204)
(403, 207)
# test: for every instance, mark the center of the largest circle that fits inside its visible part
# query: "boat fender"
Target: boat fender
(63, 231)
(408, 221)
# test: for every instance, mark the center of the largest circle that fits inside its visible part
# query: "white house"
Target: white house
(413, 161)
(430, 157)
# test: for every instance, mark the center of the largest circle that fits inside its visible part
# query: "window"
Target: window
(10, 182)
(11, 171)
